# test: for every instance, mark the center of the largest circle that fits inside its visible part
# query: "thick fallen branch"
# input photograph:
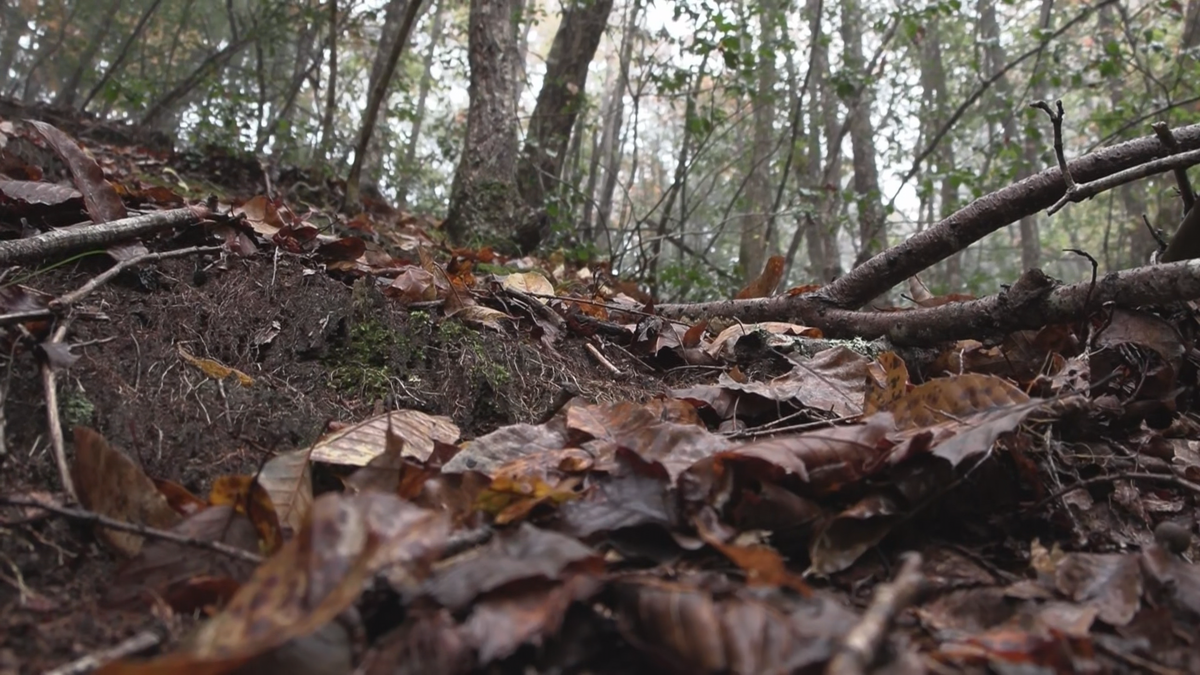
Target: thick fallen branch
(75, 239)
(986, 215)
(1034, 301)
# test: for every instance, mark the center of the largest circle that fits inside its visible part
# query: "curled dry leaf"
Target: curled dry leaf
(358, 444)
(304, 586)
(287, 478)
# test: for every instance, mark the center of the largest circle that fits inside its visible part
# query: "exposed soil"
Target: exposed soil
(327, 363)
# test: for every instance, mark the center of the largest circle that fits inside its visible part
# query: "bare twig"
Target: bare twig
(1181, 178)
(986, 215)
(143, 530)
(1056, 120)
(50, 387)
(135, 644)
(861, 645)
(608, 365)
(1177, 162)
(1169, 478)
(75, 239)
(68, 299)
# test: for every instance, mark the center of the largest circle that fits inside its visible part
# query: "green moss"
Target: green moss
(75, 409)
(362, 366)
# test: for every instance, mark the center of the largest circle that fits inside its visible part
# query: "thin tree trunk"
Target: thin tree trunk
(1031, 246)
(995, 59)
(378, 92)
(753, 244)
(558, 102)
(610, 138)
(158, 114)
(46, 49)
(304, 62)
(14, 27)
(410, 152)
(872, 226)
(933, 81)
(122, 54)
(326, 143)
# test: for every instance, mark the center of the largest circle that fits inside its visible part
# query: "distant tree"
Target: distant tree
(484, 199)
(559, 101)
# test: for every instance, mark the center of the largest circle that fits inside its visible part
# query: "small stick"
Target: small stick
(608, 365)
(50, 387)
(135, 644)
(1088, 190)
(143, 530)
(83, 291)
(1056, 120)
(861, 645)
(1181, 178)
(1112, 478)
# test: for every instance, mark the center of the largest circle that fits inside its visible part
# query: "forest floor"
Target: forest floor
(650, 523)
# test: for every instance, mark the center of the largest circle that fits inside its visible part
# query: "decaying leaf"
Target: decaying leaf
(110, 484)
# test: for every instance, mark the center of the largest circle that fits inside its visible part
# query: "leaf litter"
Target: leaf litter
(421, 496)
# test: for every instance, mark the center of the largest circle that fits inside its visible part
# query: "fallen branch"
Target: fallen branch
(1032, 302)
(988, 214)
(143, 530)
(135, 644)
(861, 645)
(75, 239)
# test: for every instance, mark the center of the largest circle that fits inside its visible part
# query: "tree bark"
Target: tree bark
(484, 199)
(753, 243)
(610, 138)
(379, 88)
(872, 227)
(410, 152)
(326, 142)
(122, 54)
(560, 99)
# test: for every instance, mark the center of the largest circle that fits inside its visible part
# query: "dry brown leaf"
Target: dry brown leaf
(358, 444)
(109, 483)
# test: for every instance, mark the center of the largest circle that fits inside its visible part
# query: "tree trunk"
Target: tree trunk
(872, 227)
(326, 142)
(484, 200)
(14, 27)
(1132, 195)
(404, 181)
(610, 138)
(1031, 245)
(995, 59)
(122, 54)
(753, 244)
(821, 230)
(933, 81)
(379, 88)
(65, 98)
(559, 101)
(303, 63)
